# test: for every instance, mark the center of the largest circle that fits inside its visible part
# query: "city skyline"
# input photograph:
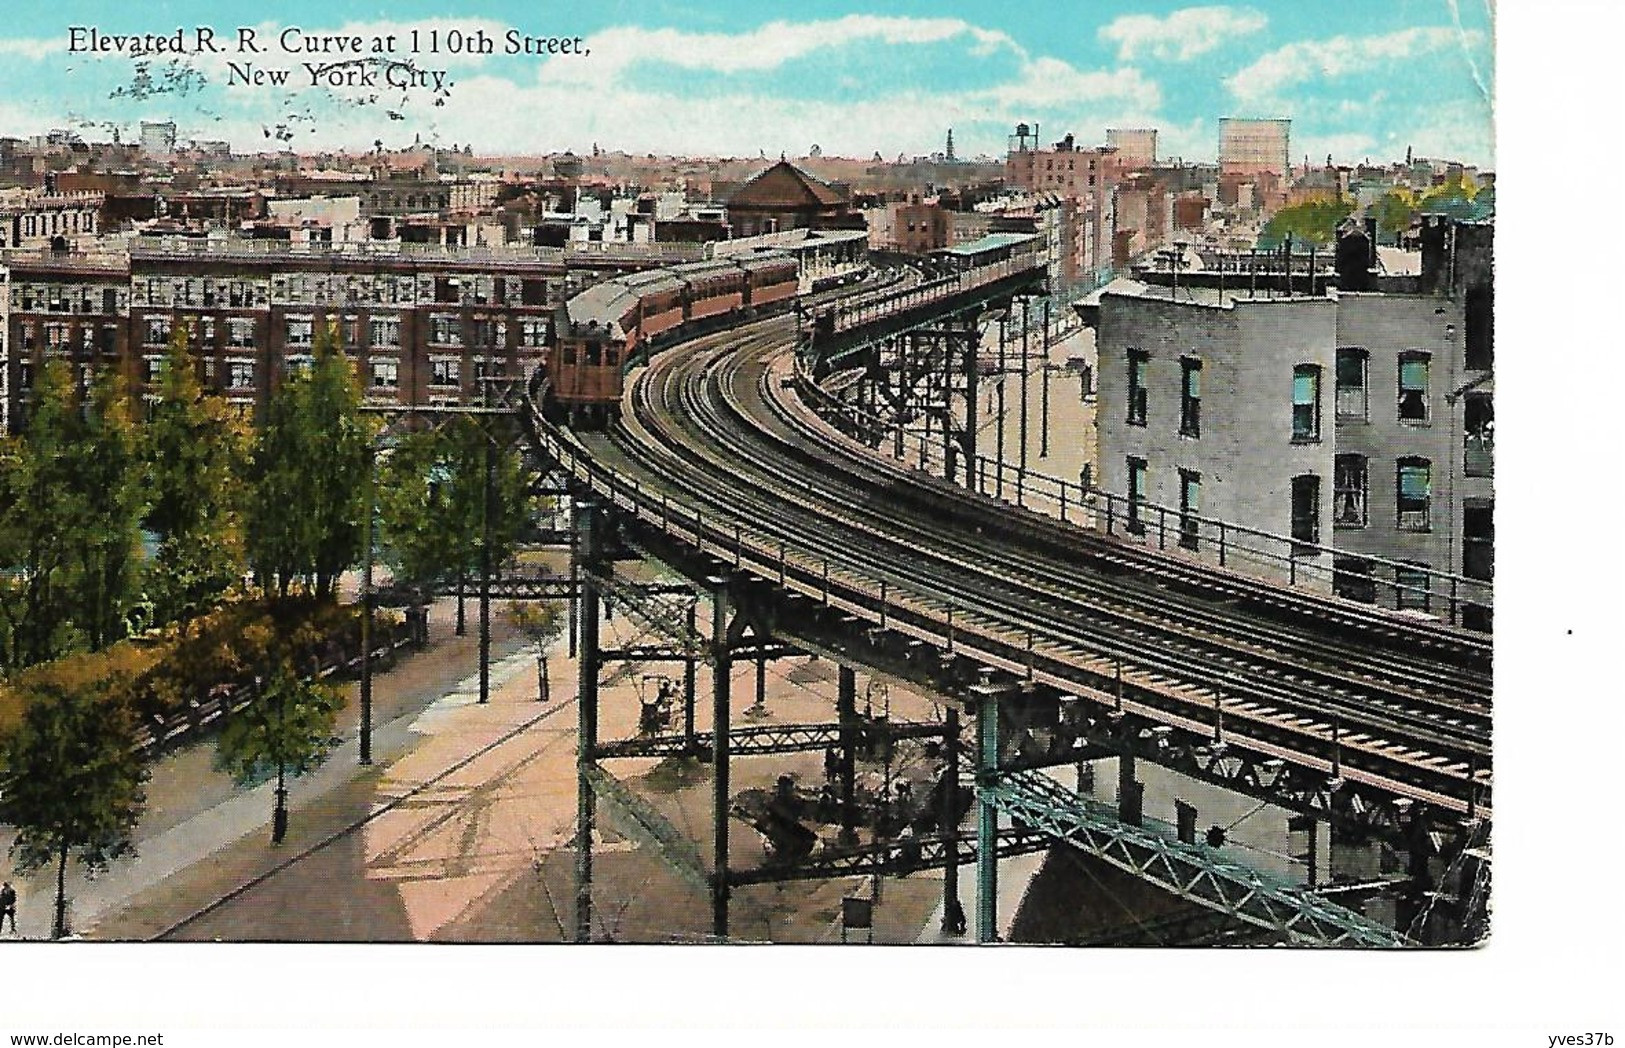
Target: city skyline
(1358, 81)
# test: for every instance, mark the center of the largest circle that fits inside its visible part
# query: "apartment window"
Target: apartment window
(1349, 484)
(1413, 387)
(1306, 402)
(157, 331)
(1415, 492)
(1351, 386)
(154, 369)
(298, 364)
(1190, 507)
(1478, 416)
(1478, 539)
(386, 331)
(206, 331)
(1306, 509)
(25, 374)
(1136, 387)
(386, 374)
(445, 373)
(1412, 583)
(1190, 397)
(301, 332)
(1351, 579)
(445, 331)
(240, 333)
(1480, 333)
(532, 333)
(1136, 495)
(239, 374)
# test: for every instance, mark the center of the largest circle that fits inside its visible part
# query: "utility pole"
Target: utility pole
(1025, 311)
(366, 609)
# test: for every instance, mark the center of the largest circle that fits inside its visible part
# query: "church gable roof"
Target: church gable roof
(785, 187)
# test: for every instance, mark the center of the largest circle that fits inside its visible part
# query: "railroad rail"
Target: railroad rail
(712, 453)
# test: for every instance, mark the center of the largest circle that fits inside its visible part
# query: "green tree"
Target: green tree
(1313, 222)
(541, 622)
(286, 729)
(432, 501)
(1393, 211)
(195, 455)
(70, 505)
(309, 473)
(73, 782)
(106, 504)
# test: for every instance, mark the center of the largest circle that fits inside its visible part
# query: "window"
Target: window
(1306, 509)
(154, 369)
(532, 333)
(301, 332)
(386, 374)
(445, 373)
(239, 374)
(157, 330)
(1351, 394)
(1412, 582)
(1478, 416)
(1136, 495)
(1480, 328)
(1415, 487)
(1306, 403)
(1136, 387)
(1349, 491)
(445, 331)
(1190, 398)
(297, 364)
(386, 331)
(1478, 539)
(1190, 507)
(1413, 387)
(25, 374)
(240, 333)
(1351, 579)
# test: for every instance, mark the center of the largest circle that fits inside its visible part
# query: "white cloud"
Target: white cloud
(33, 48)
(766, 47)
(1182, 35)
(1307, 60)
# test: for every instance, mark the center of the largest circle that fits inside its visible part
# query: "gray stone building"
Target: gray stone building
(1336, 435)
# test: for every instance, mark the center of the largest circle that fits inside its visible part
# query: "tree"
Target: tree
(1393, 211)
(73, 782)
(194, 455)
(432, 503)
(286, 728)
(1313, 222)
(308, 473)
(541, 622)
(70, 506)
(106, 504)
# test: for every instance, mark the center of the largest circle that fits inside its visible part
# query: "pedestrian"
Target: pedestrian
(8, 907)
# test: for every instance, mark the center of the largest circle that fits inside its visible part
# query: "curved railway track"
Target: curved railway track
(711, 424)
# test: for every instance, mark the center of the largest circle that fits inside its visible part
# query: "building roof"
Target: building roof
(991, 242)
(785, 187)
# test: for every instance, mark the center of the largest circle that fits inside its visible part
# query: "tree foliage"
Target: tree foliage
(308, 474)
(287, 726)
(73, 783)
(195, 454)
(71, 501)
(1314, 222)
(431, 498)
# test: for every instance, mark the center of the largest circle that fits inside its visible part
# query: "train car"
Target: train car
(714, 288)
(611, 326)
(769, 278)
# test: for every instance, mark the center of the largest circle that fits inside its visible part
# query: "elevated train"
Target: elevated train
(610, 327)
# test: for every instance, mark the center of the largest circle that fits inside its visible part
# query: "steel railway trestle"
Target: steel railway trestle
(1066, 645)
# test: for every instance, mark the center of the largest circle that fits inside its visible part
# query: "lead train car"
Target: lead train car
(613, 325)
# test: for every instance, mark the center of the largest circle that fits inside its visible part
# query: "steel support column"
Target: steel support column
(721, 671)
(846, 706)
(987, 822)
(587, 722)
(690, 664)
(953, 913)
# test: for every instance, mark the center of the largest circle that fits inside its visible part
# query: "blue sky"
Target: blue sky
(1360, 78)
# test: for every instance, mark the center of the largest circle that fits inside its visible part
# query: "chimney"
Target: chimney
(1371, 235)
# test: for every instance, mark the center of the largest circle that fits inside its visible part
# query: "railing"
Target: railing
(1228, 545)
(855, 313)
(225, 700)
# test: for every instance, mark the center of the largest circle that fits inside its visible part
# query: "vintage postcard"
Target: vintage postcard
(677, 474)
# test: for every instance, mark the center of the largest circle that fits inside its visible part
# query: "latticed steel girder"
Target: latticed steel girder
(1189, 871)
(760, 739)
(660, 607)
(892, 858)
(635, 819)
